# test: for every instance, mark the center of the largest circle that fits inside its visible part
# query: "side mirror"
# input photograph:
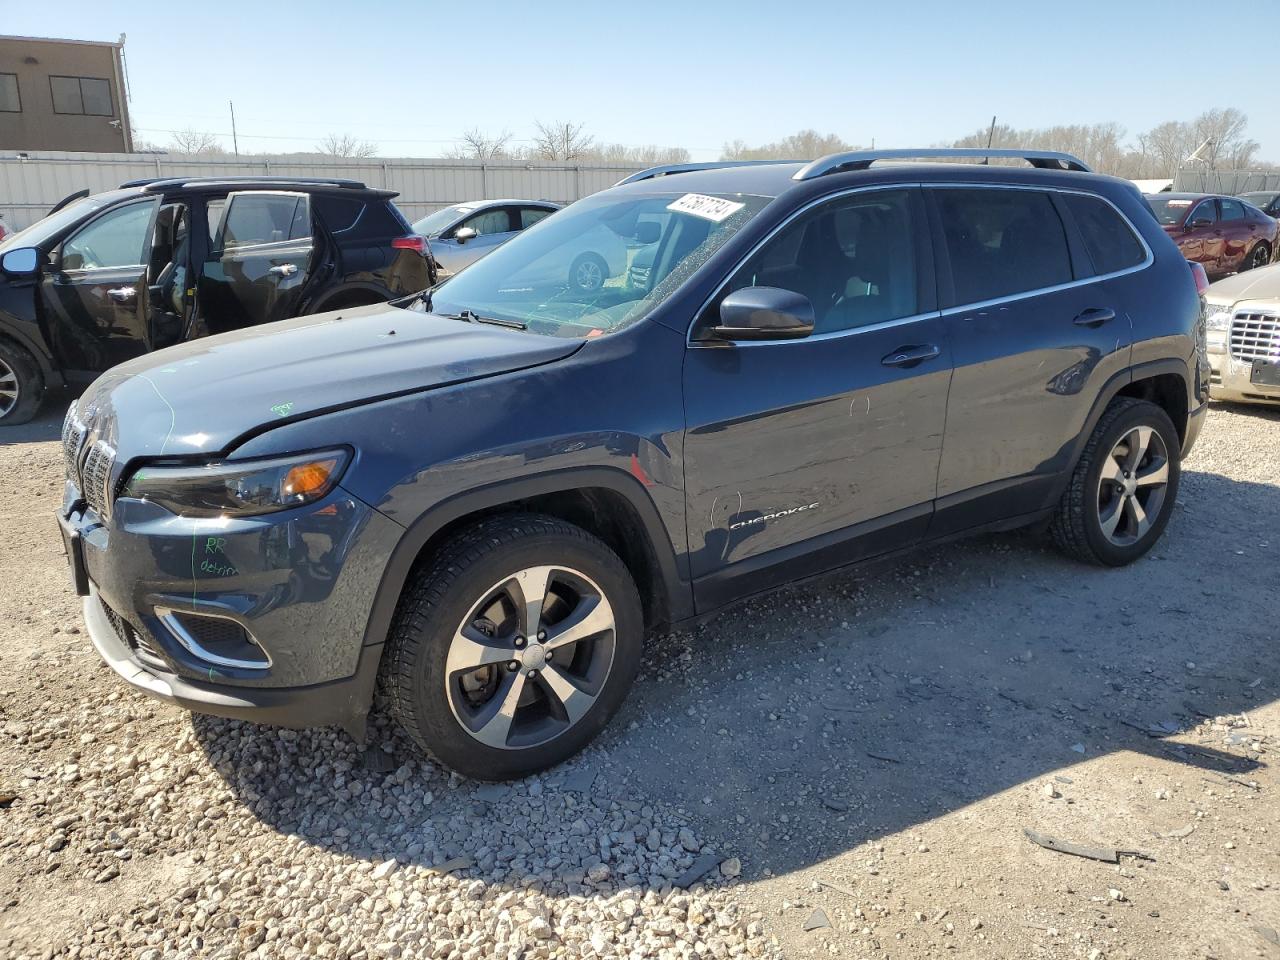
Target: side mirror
(648, 232)
(764, 313)
(24, 260)
(463, 234)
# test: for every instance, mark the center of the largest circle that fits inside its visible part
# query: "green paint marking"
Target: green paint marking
(282, 409)
(215, 545)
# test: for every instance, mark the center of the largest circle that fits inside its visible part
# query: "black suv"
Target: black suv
(106, 278)
(482, 497)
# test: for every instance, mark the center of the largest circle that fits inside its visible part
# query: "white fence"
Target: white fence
(31, 183)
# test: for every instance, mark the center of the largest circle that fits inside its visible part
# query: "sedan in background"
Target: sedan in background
(463, 233)
(1223, 234)
(1244, 337)
(1268, 201)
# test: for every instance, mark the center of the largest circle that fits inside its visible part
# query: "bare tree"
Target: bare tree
(1223, 132)
(805, 145)
(561, 141)
(194, 141)
(476, 145)
(649, 154)
(345, 145)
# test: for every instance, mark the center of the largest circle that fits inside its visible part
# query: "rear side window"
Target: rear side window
(1002, 242)
(337, 213)
(1232, 210)
(256, 218)
(380, 220)
(1109, 239)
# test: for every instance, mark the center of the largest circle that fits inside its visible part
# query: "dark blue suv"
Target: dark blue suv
(480, 498)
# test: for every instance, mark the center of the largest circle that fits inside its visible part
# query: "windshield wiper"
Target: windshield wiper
(470, 316)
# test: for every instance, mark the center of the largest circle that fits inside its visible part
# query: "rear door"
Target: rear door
(259, 259)
(95, 295)
(1035, 331)
(805, 454)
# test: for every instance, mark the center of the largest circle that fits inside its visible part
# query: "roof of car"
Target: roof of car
(1184, 196)
(306, 184)
(478, 204)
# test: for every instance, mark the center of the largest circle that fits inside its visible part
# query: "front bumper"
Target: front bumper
(1230, 380)
(343, 703)
(296, 587)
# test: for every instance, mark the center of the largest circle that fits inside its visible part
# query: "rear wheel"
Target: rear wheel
(21, 385)
(1123, 489)
(514, 647)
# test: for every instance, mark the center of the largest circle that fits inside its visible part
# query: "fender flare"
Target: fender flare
(36, 347)
(1110, 390)
(679, 592)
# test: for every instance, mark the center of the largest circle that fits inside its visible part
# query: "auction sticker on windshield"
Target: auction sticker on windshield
(714, 209)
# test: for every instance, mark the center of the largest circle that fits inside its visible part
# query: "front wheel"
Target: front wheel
(1123, 488)
(21, 385)
(588, 273)
(514, 648)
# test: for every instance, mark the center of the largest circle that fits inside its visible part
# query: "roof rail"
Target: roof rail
(862, 159)
(668, 169)
(156, 183)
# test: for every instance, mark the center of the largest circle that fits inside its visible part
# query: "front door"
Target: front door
(1035, 330)
(806, 454)
(258, 261)
(1238, 234)
(1213, 242)
(95, 292)
(493, 227)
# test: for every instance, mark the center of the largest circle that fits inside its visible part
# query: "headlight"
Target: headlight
(239, 487)
(1219, 316)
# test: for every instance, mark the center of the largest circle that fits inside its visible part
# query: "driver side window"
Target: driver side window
(116, 239)
(854, 258)
(490, 221)
(1207, 210)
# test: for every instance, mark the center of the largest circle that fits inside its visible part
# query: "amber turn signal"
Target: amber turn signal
(308, 478)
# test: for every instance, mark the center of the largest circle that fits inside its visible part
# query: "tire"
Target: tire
(1090, 502)
(453, 710)
(588, 273)
(21, 385)
(1259, 256)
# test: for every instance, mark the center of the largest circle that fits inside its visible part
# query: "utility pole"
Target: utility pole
(235, 144)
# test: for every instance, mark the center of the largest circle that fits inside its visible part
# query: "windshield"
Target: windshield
(599, 265)
(42, 230)
(433, 223)
(1169, 211)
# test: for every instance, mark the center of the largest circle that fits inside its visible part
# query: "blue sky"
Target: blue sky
(412, 76)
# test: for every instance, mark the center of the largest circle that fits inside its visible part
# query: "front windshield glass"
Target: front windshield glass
(599, 265)
(1169, 211)
(41, 230)
(433, 223)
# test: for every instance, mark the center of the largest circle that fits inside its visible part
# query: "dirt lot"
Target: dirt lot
(860, 756)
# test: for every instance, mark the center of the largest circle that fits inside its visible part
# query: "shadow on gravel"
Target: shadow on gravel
(796, 727)
(47, 424)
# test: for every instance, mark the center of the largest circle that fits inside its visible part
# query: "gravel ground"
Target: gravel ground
(850, 766)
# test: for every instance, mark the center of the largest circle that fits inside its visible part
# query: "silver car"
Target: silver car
(463, 233)
(1244, 336)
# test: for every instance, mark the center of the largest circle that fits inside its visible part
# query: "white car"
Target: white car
(1244, 336)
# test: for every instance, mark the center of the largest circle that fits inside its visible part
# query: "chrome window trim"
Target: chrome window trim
(166, 615)
(1147, 261)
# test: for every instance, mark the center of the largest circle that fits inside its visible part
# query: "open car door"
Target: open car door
(258, 261)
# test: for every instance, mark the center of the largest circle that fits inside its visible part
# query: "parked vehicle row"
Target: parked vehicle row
(480, 497)
(108, 277)
(1223, 234)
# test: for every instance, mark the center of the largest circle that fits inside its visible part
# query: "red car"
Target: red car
(1222, 234)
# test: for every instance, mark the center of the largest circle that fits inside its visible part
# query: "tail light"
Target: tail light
(414, 242)
(1201, 278)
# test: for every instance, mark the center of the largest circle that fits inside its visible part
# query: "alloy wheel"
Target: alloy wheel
(9, 388)
(531, 657)
(1259, 257)
(1133, 485)
(588, 276)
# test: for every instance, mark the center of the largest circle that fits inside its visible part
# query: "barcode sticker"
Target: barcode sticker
(714, 209)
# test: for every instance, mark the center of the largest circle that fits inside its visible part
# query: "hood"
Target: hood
(1263, 283)
(200, 396)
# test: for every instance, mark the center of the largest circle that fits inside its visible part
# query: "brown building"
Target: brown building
(63, 95)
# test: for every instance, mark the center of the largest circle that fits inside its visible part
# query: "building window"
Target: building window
(83, 95)
(10, 102)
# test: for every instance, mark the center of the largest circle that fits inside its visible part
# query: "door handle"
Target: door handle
(123, 294)
(1094, 317)
(284, 269)
(911, 356)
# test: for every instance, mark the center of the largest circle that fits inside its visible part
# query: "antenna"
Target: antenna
(235, 144)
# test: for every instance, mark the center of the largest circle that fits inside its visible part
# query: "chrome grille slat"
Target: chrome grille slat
(1255, 336)
(95, 475)
(72, 440)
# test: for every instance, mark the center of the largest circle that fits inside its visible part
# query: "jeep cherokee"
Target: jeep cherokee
(481, 497)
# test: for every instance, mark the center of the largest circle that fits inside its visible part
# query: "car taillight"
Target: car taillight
(1201, 278)
(412, 242)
